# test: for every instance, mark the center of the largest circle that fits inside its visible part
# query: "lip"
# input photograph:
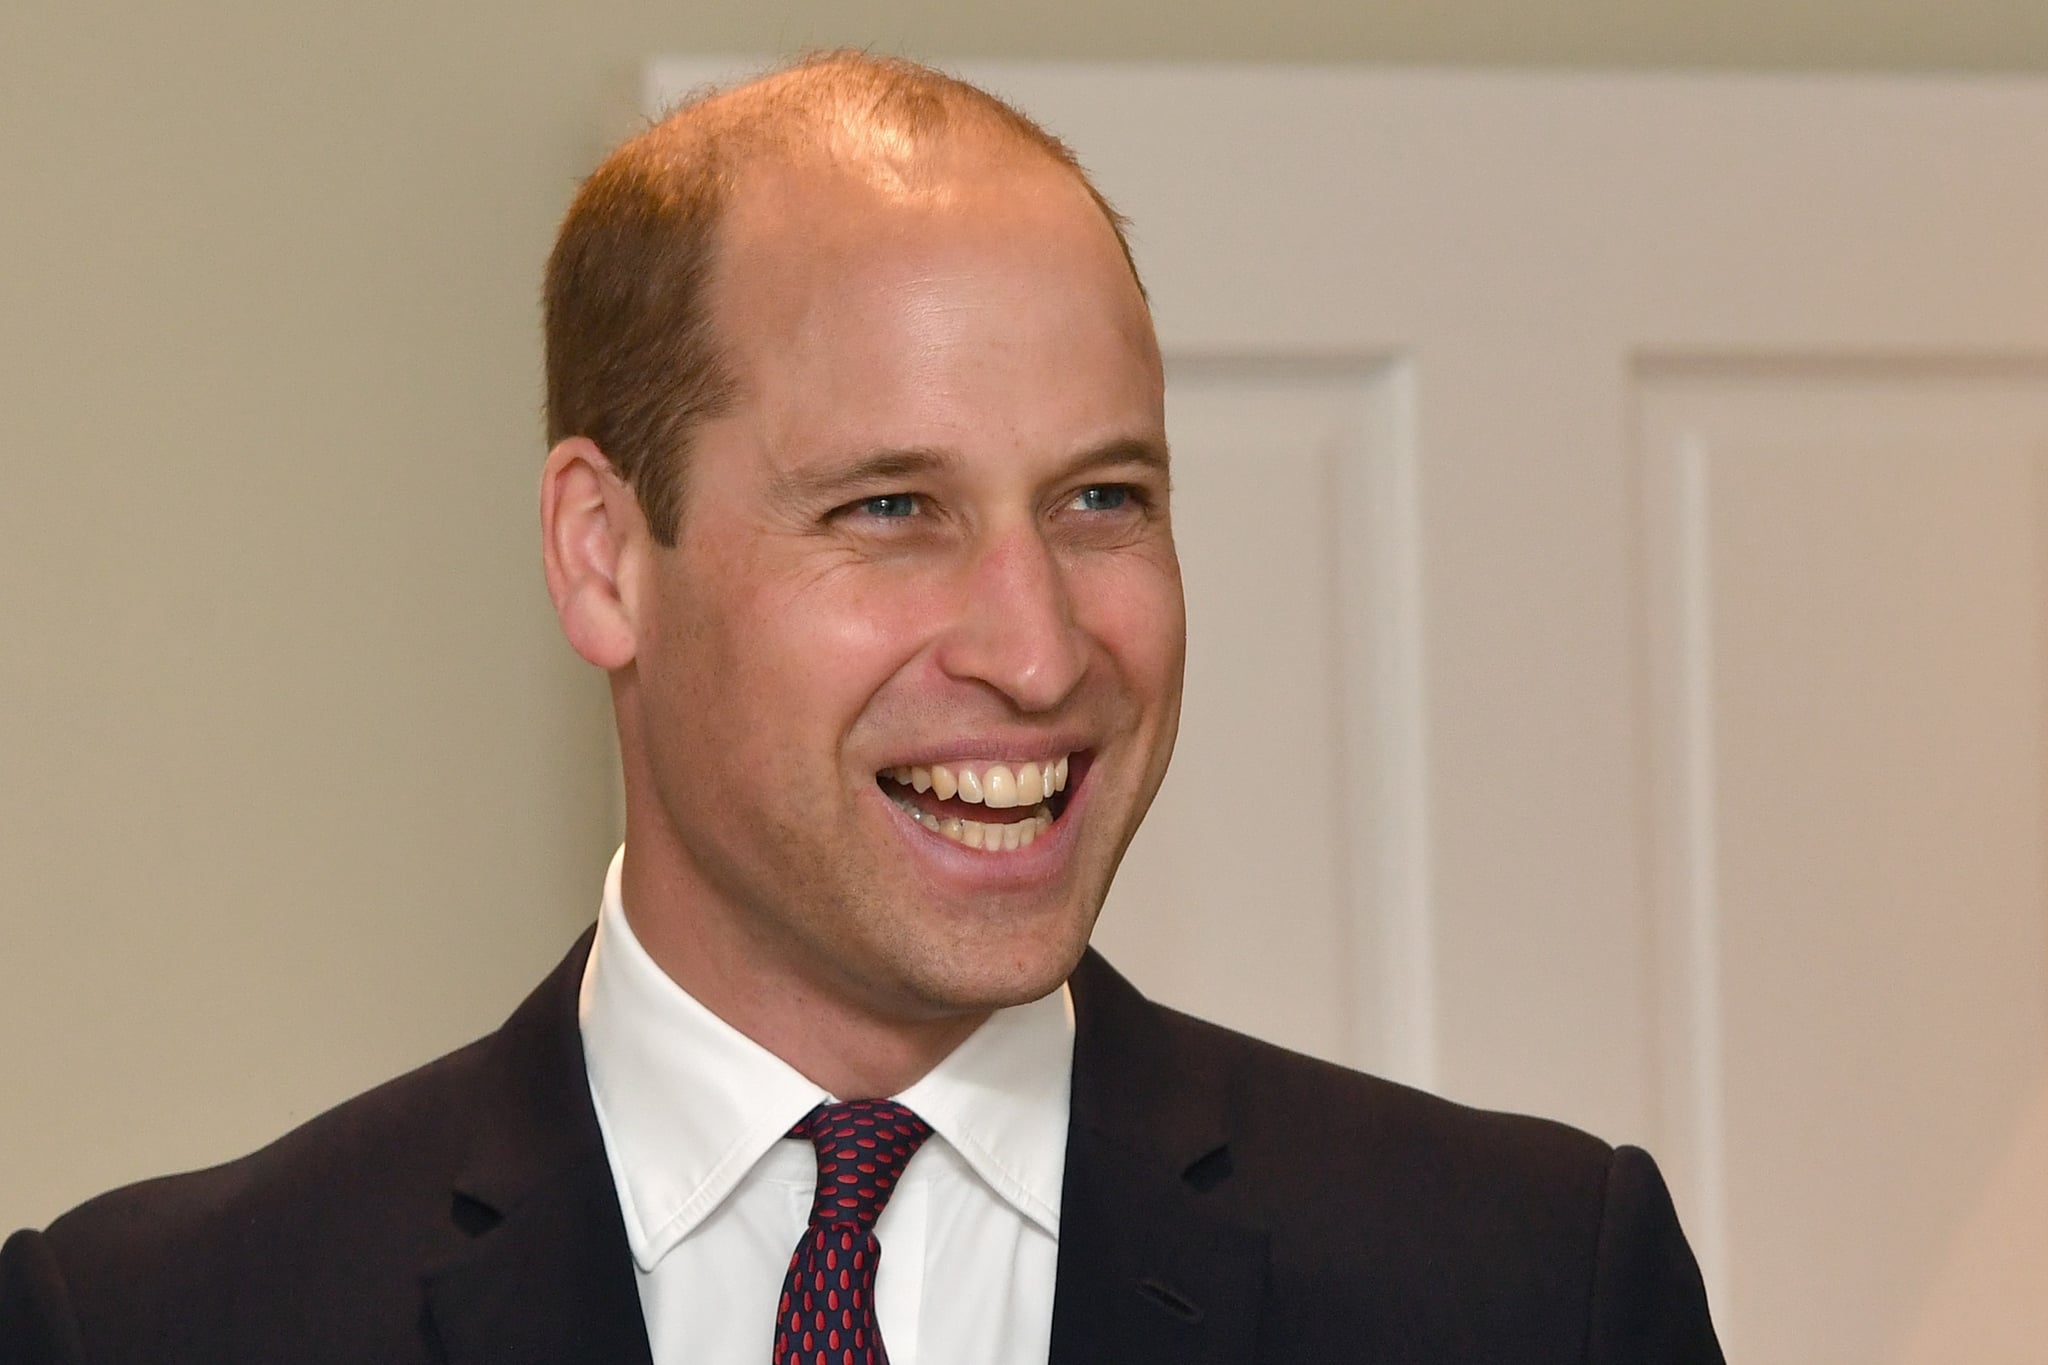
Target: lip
(992, 748)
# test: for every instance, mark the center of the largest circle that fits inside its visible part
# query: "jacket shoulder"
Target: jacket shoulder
(315, 1247)
(1331, 1118)
(157, 1269)
(380, 1147)
(1491, 1231)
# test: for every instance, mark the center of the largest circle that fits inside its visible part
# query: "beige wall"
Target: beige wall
(297, 785)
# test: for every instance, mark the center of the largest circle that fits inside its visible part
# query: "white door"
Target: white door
(1615, 515)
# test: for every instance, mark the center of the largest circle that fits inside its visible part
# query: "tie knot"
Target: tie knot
(863, 1146)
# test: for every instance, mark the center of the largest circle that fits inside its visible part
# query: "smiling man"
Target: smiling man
(859, 494)
(925, 532)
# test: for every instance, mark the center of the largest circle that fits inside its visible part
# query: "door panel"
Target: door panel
(1852, 720)
(1287, 711)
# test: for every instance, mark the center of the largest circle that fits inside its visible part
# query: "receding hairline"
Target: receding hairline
(849, 101)
(904, 128)
(635, 360)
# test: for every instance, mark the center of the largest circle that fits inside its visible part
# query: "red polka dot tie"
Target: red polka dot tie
(827, 1315)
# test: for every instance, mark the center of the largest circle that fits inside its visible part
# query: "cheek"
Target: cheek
(859, 630)
(716, 660)
(1134, 608)
(808, 652)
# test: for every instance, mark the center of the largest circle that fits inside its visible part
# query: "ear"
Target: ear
(591, 534)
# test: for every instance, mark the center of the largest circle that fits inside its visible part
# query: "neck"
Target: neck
(852, 1047)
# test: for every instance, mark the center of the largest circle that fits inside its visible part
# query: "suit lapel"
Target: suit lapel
(542, 1272)
(1149, 1271)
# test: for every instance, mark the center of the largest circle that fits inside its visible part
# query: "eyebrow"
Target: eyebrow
(837, 480)
(1128, 450)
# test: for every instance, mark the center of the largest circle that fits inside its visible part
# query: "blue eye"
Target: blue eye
(891, 506)
(1104, 497)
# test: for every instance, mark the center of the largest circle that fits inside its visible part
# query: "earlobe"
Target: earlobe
(591, 529)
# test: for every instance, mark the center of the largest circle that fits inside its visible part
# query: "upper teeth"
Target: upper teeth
(995, 785)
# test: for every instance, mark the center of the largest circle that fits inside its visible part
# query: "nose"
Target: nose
(1015, 629)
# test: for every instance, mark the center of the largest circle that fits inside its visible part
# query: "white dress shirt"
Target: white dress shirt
(715, 1196)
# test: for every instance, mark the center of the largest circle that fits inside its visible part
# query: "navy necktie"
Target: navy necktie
(827, 1315)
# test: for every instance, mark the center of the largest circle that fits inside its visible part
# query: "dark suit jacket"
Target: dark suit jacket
(1225, 1201)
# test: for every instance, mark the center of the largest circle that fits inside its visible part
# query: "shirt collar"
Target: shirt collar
(689, 1105)
(1000, 1099)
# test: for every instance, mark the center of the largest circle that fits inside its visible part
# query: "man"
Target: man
(858, 492)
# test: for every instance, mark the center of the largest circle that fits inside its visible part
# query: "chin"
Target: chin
(999, 977)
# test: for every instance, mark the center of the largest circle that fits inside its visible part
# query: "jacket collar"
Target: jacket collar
(1150, 1272)
(545, 1274)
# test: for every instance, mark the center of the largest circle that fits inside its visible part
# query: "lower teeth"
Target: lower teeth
(979, 834)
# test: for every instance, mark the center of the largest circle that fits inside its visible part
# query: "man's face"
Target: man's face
(930, 544)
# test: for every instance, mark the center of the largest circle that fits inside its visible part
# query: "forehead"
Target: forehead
(973, 286)
(803, 234)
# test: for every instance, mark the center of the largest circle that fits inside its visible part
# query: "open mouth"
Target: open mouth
(995, 807)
